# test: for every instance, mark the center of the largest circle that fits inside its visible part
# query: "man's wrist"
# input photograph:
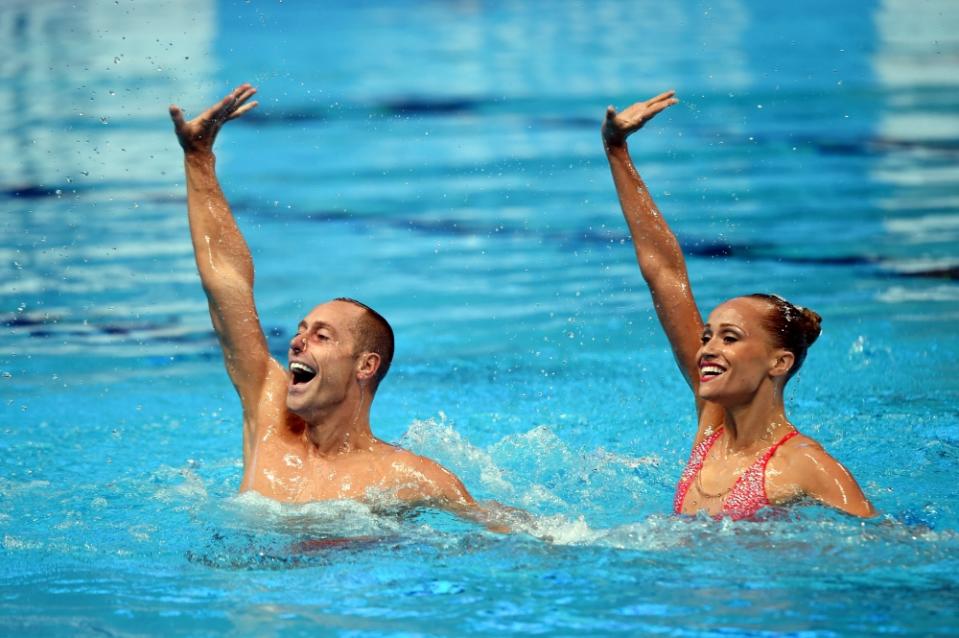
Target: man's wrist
(200, 159)
(620, 150)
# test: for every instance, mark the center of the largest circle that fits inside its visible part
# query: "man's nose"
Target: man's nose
(296, 344)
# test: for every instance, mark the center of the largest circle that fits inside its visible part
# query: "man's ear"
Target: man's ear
(367, 364)
(782, 363)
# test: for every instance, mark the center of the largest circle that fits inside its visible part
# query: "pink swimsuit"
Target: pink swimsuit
(748, 494)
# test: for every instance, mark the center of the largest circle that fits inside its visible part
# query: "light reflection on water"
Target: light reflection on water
(442, 163)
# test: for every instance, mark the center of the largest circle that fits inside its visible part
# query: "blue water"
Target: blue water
(441, 161)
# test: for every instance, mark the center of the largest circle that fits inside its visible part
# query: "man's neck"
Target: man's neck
(343, 430)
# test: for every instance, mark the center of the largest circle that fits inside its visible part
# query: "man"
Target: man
(306, 426)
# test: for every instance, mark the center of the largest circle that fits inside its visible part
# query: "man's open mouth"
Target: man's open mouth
(302, 373)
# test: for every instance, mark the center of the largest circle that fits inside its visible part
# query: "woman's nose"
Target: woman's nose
(708, 348)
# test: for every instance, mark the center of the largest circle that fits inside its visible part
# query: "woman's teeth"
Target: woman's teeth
(711, 371)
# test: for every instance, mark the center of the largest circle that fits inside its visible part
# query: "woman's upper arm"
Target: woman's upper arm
(825, 479)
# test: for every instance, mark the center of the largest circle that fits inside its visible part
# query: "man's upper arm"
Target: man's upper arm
(237, 325)
(435, 484)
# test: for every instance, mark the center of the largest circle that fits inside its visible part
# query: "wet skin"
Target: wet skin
(736, 373)
(307, 436)
(741, 370)
(338, 457)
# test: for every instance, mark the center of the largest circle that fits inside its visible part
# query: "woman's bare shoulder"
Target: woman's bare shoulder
(802, 467)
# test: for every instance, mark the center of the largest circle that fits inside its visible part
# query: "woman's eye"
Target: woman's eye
(704, 339)
(729, 339)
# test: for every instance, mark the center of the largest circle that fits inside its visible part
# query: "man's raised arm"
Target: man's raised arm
(222, 256)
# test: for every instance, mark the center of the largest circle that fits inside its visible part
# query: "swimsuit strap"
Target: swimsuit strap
(696, 459)
(748, 494)
(769, 454)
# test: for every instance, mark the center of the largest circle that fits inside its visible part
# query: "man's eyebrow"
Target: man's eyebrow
(317, 324)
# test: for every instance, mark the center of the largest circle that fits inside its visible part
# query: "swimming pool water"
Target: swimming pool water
(441, 162)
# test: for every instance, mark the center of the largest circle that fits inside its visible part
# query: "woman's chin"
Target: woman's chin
(713, 395)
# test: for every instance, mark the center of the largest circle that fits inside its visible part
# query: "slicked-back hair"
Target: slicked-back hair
(790, 327)
(373, 334)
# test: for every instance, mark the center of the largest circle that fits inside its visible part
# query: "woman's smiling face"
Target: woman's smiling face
(736, 355)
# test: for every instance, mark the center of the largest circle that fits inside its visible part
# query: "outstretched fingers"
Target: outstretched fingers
(199, 133)
(658, 107)
(243, 109)
(221, 111)
(641, 112)
(662, 96)
(617, 126)
(236, 106)
(244, 92)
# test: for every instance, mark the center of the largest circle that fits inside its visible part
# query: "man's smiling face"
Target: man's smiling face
(322, 359)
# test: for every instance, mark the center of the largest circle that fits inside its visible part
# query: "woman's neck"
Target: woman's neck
(759, 420)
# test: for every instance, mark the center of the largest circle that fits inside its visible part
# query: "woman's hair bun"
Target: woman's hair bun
(811, 324)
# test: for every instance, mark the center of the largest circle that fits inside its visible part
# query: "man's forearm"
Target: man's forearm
(218, 245)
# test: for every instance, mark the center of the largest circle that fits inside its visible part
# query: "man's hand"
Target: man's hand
(198, 135)
(618, 126)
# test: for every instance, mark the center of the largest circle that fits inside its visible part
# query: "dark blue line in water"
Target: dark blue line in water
(577, 239)
(79, 186)
(44, 326)
(950, 273)
(31, 191)
(881, 146)
(280, 118)
(429, 106)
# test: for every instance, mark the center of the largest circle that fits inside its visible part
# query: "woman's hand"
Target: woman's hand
(198, 135)
(618, 126)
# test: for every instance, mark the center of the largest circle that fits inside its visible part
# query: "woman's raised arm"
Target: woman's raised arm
(657, 251)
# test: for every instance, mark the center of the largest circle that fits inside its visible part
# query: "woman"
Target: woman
(746, 454)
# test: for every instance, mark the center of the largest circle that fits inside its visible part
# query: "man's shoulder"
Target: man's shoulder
(400, 458)
(432, 478)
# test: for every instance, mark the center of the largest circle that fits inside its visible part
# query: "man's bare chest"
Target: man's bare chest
(291, 473)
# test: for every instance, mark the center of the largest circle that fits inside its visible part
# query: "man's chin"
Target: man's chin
(296, 405)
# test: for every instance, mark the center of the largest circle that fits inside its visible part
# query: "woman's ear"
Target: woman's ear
(366, 366)
(782, 362)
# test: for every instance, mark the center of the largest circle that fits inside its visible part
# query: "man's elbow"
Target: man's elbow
(225, 283)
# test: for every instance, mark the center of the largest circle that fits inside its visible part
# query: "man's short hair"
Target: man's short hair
(373, 334)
